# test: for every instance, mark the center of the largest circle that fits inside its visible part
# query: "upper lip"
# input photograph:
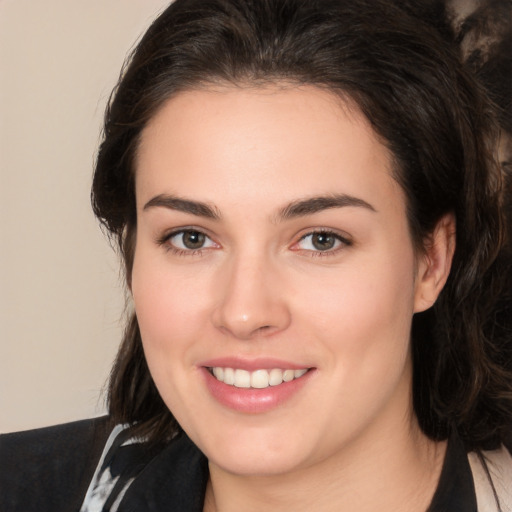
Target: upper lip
(251, 365)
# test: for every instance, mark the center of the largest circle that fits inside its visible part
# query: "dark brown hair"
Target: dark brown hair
(426, 107)
(485, 37)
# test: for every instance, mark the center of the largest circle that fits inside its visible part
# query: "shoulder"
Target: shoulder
(49, 469)
(492, 476)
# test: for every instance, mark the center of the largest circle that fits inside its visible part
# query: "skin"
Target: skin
(348, 440)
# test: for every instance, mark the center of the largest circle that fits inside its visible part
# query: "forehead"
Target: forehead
(259, 143)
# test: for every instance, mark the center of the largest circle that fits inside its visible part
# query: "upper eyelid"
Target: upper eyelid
(183, 229)
(341, 235)
(345, 237)
(165, 241)
(345, 240)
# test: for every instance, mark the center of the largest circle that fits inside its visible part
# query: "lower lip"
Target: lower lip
(250, 400)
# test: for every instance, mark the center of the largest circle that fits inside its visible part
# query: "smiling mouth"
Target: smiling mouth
(258, 379)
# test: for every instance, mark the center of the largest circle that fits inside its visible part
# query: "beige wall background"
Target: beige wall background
(61, 298)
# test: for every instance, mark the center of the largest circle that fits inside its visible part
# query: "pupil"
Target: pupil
(323, 241)
(193, 239)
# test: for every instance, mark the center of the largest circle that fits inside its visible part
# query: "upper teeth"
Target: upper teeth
(258, 379)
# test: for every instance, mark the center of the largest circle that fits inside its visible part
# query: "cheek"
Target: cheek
(364, 314)
(171, 318)
(355, 299)
(169, 306)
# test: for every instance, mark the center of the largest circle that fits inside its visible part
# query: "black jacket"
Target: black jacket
(50, 469)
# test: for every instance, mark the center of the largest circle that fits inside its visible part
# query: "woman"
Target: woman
(307, 203)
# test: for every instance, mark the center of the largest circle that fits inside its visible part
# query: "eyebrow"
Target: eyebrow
(317, 204)
(299, 208)
(184, 205)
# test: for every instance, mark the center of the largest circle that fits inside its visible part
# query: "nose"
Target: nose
(252, 299)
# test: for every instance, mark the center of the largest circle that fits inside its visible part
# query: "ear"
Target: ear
(435, 263)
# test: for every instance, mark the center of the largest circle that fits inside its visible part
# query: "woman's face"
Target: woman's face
(272, 244)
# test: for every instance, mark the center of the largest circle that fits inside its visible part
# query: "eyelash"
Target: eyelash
(343, 240)
(164, 241)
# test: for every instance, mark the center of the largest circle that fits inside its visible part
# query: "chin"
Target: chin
(257, 454)
(258, 464)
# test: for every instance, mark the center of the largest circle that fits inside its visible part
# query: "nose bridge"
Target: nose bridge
(251, 301)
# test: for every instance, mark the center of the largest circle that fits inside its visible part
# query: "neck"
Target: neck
(396, 472)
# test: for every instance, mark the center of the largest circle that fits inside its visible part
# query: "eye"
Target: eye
(321, 241)
(188, 240)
